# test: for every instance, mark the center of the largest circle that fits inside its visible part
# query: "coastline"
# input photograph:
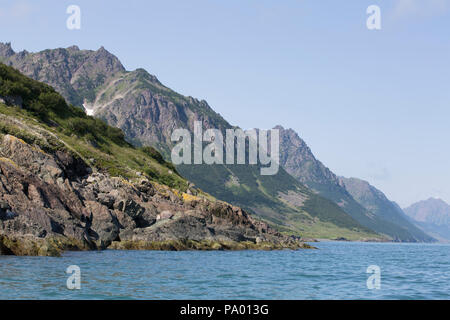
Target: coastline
(57, 245)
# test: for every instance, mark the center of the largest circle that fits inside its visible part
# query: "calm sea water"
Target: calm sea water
(336, 271)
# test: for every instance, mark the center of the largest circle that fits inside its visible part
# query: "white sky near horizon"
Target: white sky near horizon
(370, 104)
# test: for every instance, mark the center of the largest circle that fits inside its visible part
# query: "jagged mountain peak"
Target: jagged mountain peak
(76, 74)
(144, 74)
(6, 49)
(73, 48)
(293, 137)
(103, 55)
(299, 161)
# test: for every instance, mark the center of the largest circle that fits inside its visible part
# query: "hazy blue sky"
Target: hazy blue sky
(370, 104)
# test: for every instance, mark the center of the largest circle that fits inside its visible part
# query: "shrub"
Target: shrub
(152, 152)
(54, 102)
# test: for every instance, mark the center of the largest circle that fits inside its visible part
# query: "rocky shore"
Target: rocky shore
(53, 201)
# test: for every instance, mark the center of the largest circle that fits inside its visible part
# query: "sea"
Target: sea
(336, 270)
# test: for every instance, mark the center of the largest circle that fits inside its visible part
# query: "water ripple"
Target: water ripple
(336, 271)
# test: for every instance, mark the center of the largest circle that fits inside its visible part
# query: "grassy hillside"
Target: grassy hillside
(280, 200)
(100, 145)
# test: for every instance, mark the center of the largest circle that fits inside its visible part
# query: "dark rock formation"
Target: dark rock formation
(51, 202)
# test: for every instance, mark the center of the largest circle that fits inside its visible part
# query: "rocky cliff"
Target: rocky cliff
(70, 182)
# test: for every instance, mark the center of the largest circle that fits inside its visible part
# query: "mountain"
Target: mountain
(148, 112)
(364, 203)
(134, 101)
(433, 216)
(376, 202)
(69, 181)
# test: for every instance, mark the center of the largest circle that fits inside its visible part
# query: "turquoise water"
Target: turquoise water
(336, 271)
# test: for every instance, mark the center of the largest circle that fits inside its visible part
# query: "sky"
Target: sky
(372, 104)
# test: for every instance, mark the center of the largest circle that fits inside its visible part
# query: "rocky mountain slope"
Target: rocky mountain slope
(148, 112)
(433, 216)
(376, 202)
(134, 101)
(366, 205)
(68, 181)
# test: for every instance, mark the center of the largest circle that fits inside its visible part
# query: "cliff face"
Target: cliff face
(70, 182)
(50, 199)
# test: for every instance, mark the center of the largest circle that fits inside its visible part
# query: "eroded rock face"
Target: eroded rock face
(55, 196)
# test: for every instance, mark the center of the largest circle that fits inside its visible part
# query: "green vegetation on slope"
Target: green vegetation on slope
(244, 186)
(100, 145)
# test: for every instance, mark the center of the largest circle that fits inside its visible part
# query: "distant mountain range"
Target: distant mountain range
(363, 202)
(303, 197)
(390, 217)
(433, 216)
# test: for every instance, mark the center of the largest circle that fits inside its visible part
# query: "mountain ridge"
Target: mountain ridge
(376, 201)
(147, 112)
(299, 161)
(433, 216)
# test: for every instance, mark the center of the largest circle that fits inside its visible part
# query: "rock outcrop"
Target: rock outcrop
(53, 202)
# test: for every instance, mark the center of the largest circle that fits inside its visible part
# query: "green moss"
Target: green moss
(31, 246)
(206, 245)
